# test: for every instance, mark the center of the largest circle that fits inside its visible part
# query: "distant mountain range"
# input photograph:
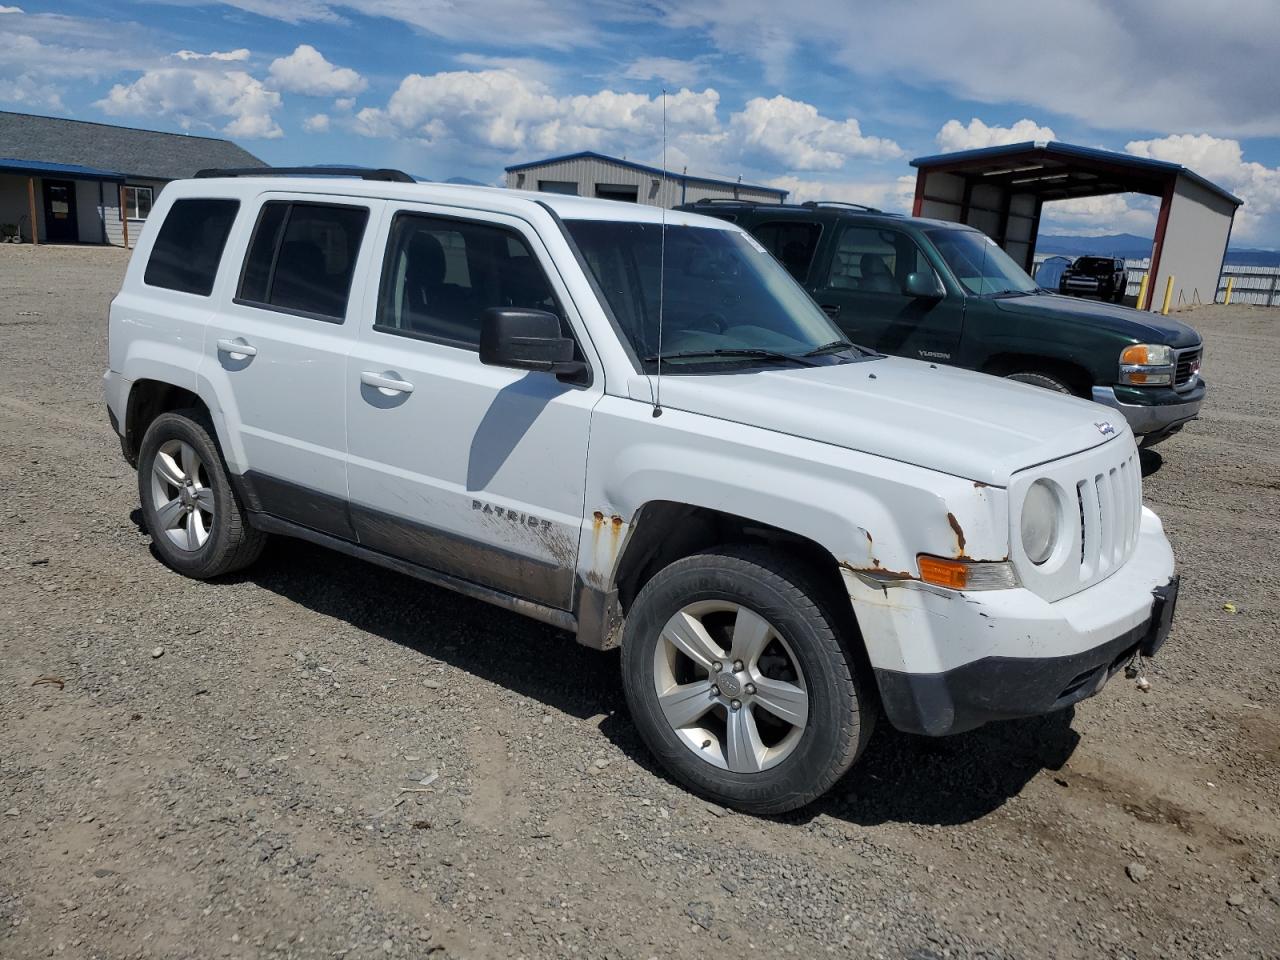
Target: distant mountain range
(1135, 248)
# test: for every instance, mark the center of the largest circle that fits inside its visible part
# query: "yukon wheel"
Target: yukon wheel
(742, 682)
(190, 509)
(1036, 379)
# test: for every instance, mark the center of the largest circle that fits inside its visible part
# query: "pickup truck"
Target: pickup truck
(945, 292)
(1103, 277)
(634, 425)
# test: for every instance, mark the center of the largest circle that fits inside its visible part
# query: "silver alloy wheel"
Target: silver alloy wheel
(181, 495)
(730, 686)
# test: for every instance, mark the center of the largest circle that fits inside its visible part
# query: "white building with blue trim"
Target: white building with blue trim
(590, 174)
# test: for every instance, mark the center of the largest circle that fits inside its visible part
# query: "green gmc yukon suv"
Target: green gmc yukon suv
(945, 292)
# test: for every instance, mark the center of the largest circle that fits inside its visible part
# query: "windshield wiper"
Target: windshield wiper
(835, 346)
(1009, 293)
(749, 353)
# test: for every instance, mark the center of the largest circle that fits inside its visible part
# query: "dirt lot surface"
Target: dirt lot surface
(222, 769)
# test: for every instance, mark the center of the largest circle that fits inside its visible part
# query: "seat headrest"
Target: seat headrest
(426, 258)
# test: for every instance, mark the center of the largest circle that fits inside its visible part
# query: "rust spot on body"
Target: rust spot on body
(959, 531)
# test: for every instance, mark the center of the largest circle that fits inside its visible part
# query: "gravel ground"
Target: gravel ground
(320, 758)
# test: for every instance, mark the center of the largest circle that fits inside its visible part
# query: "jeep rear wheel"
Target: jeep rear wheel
(189, 507)
(742, 680)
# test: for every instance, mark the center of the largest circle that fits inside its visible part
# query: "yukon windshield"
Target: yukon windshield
(724, 300)
(980, 265)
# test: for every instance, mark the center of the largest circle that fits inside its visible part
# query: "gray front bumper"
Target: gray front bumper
(1150, 419)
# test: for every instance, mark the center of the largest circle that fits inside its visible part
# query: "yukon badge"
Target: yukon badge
(1105, 428)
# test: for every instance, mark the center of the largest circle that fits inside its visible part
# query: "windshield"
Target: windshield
(726, 301)
(979, 263)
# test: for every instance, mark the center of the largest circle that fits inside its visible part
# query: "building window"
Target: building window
(137, 202)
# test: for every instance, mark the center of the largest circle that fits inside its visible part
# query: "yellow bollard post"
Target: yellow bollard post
(1231, 282)
(1142, 293)
(1168, 296)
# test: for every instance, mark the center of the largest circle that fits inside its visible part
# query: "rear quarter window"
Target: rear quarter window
(187, 251)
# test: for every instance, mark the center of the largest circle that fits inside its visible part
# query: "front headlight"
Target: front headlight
(1146, 365)
(1041, 518)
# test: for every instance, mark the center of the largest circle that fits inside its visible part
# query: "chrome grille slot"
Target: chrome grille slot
(1186, 366)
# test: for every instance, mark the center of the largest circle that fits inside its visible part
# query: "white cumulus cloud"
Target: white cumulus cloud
(503, 111)
(794, 134)
(1222, 161)
(316, 123)
(229, 56)
(194, 97)
(307, 71)
(955, 135)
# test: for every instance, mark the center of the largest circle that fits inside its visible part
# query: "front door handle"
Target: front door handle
(832, 310)
(385, 382)
(237, 348)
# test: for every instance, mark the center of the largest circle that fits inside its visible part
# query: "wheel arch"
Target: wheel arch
(1074, 374)
(664, 531)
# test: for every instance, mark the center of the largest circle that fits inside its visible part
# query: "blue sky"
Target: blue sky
(830, 98)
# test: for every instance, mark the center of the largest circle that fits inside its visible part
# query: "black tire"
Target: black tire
(842, 705)
(1049, 381)
(232, 544)
(1118, 296)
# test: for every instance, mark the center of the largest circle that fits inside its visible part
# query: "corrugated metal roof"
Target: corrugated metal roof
(1069, 152)
(72, 170)
(147, 154)
(644, 168)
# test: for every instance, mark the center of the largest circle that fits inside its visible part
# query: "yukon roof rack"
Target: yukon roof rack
(813, 204)
(364, 173)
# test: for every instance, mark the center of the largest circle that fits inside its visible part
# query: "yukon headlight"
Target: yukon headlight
(1041, 518)
(1146, 365)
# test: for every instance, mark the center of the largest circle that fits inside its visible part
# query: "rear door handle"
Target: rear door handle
(237, 348)
(385, 382)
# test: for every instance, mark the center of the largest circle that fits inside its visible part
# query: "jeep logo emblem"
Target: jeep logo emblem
(1105, 428)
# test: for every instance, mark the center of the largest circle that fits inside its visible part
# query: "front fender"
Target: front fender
(871, 514)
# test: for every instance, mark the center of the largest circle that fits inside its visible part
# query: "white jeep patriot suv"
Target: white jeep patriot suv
(642, 431)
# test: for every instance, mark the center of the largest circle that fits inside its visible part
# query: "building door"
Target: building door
(60, 212)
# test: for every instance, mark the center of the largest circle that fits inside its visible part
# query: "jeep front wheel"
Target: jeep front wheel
(742, 680)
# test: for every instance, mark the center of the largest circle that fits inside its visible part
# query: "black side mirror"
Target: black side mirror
(526, 340)
(925, 286)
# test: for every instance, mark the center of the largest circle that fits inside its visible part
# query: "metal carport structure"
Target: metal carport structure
(1002, 190)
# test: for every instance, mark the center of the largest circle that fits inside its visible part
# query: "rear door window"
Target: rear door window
(792, 243)
(302, 258)
(189, 246)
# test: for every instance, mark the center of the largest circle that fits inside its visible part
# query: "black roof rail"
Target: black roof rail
(714, 200)
(364, 173)
(813, 204)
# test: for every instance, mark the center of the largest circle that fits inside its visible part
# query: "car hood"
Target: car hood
(1141, 326)
(942, 418)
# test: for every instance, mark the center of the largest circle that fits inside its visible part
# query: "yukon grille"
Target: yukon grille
(1110, 507)
(1187, 367)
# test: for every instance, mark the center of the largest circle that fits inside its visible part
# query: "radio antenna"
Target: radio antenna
(662, 259)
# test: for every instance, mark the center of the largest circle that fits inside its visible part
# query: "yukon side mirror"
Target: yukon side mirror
(924, 286)
(527, 340)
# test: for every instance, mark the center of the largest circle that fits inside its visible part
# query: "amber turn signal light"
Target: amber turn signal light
(953, 574)
(1139, 354)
